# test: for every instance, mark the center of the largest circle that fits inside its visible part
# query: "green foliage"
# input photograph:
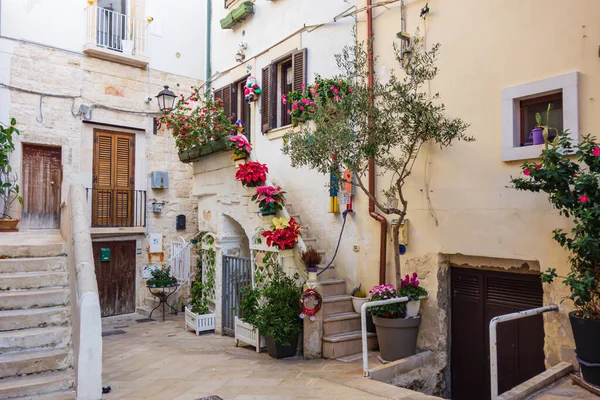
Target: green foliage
(161, 277)
(546, 128)
(249, 304)
(388, 122)
(277, 306)
(569, 175)
(9, 189)
(203, 287)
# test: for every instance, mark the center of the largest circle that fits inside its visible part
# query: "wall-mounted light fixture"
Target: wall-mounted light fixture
(166, 100)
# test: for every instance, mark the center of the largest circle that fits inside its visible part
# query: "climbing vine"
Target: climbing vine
(203, 288)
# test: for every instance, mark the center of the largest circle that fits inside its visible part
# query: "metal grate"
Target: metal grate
(237, 274)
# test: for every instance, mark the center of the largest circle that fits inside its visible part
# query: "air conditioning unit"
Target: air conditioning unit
(159, 179)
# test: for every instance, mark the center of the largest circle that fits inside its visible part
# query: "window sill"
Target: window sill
(278, 133)
(522, 153)
(134, 60)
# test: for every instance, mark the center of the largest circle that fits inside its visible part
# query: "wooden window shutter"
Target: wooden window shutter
(265, 100)
(299, 66)
(234, 101)
(103, 157)
(224, 94)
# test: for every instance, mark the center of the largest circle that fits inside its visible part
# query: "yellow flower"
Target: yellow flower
(281, 223)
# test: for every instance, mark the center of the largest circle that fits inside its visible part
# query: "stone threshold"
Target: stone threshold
(538, 382)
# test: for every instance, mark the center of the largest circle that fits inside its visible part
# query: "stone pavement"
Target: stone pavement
(160, 360)
(564, 389)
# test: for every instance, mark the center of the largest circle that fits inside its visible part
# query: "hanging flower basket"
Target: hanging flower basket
(237, 15)
(184, 155)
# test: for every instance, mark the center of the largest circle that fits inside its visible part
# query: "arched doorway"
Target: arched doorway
(237, 270)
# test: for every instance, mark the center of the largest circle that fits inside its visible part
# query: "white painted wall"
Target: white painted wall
(179, 27)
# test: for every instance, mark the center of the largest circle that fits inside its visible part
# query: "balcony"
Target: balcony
(115, 37)
(116, 211)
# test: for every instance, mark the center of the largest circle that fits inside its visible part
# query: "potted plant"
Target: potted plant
(245, 329)
(359, 297)
(397, 335)
(409, 286)
(568, 174)
(161, 277)
(541, 133)
(241, 147)
(128, 44)
(270, 199)
(9, 189)
(277, 315)
(283, 234)
(311, 259)
(252, 174)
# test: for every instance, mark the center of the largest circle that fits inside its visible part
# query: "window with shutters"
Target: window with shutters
(113, 179)
(282, 76)
(235, 105)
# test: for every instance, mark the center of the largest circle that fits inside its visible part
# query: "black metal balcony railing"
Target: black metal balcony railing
(112, 208)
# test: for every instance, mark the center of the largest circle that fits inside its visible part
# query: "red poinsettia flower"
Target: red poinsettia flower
(252, 173)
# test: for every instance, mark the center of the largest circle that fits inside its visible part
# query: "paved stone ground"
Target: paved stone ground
(160, 360)
(564, 389)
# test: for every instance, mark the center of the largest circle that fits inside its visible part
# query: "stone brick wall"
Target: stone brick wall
(109, 87)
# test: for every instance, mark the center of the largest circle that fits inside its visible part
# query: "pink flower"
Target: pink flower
(303, 86)
(301, 108)
(289, 112)
(583, 198)
(336, 98)
(350, 90)
(331, 87)
(283, 99)
(596, 151)
(538, 166)
(527, 172)
(336, 91)
(295, 105)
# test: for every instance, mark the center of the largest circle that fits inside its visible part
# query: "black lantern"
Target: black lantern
(166, 100)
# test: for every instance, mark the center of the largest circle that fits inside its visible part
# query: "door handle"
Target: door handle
(52, 183)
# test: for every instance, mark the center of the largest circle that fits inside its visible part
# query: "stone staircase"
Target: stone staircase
(36, 357)
(341, 325)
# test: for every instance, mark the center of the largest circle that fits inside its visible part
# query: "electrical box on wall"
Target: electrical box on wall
(159, 179)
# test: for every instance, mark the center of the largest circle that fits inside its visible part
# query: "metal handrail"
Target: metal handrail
(494, 345)
(363, 324)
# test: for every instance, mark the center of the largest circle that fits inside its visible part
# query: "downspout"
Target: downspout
(375, 215)
(207, 83)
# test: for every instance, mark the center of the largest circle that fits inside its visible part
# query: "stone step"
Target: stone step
(333, 287)
(31, 244)
(38, 384)
(344, 344)
(13, 265)
(34, 318)
(35, 362)
(38, 298)
(33, 280)
(35, 338)
(337, 304)
(341, 323)
(308, 241)
(68, 394)
(328, 274)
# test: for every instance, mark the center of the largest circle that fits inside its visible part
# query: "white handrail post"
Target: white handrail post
(494, 344)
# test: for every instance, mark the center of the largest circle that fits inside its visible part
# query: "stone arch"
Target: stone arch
(233, 238)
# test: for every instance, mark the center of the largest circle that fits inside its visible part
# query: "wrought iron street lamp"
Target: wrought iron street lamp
(166, 100)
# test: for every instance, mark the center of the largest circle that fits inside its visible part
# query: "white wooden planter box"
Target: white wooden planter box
(248, 334)
(200, 323)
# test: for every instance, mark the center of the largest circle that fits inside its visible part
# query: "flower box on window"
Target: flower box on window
(194, 153)
(237, 15)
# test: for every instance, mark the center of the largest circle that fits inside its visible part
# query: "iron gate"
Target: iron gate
(237, 274)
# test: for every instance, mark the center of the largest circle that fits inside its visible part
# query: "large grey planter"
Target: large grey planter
(397, 337)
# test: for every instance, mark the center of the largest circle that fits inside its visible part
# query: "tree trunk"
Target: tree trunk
(396, 241)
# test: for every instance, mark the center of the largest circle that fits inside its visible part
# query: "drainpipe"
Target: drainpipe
(375, 215)
(208, 84)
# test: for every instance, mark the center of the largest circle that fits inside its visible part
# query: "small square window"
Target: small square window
(520, 104)
(528, 108)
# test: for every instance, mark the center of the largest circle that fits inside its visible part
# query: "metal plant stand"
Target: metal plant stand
(162, 295)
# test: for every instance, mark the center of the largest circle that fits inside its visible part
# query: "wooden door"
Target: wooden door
(42, 178)
(113, 180)
(116, 277)
(477, 297)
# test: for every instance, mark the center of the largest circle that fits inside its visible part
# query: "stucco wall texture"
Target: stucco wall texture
(485, 47)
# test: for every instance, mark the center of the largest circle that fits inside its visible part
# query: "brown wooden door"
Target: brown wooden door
(477, 297)
(42, 178)
(116, 278)
(113, 180)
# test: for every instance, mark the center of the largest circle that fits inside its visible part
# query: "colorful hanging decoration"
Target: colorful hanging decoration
(251, 91)
(239, 126)
(334, 188)
(348, 189)
(310, 297)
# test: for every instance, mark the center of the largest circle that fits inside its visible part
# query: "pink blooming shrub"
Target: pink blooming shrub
(270, 199)
(241, 146)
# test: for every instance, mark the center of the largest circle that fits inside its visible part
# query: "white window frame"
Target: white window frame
(511, 121)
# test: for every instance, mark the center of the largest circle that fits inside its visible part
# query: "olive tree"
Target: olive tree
(387, 122)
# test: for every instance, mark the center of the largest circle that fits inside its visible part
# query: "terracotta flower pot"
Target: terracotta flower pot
(9, 225)
(397, 337)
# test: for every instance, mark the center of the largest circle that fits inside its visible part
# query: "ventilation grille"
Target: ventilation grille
(466, 286)
(526, 293)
